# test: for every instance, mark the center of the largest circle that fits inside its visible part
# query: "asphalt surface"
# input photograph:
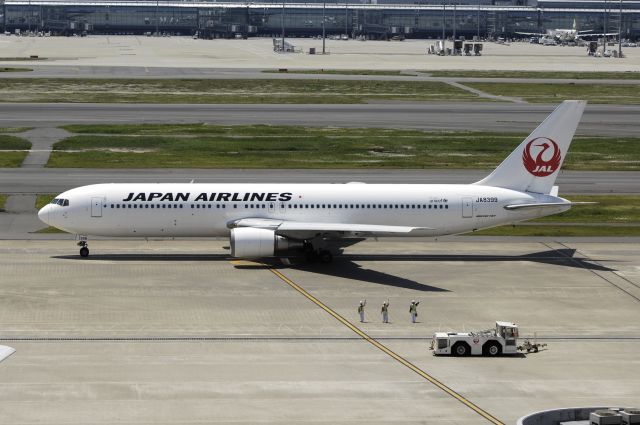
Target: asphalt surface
(611, 120)
(174, 332)
(51, 180)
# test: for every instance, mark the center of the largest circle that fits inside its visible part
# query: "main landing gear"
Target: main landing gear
(323, 256)
(315, 250)
(84, 248)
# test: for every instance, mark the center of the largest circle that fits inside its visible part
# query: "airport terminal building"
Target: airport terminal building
(372, 19)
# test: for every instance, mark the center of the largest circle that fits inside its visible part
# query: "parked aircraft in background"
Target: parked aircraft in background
(317, 220)
(565, 35)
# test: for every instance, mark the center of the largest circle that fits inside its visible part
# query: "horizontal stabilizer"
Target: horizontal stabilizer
(5, 352)
(545, 205)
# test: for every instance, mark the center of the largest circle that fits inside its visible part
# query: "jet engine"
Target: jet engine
(251, 242)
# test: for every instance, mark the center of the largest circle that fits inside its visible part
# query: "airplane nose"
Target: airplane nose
(43, 214)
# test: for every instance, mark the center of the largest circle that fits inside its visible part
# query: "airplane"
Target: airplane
(318, 220)
(566, 35)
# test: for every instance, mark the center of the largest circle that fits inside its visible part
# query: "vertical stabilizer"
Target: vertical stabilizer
(536, 162)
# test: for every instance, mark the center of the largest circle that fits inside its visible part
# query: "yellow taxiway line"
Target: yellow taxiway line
(388, 351)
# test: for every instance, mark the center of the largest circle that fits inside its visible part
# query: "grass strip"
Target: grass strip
(2, 69)
(13, 151)
(43, 199)
(551, 230)
(14, 129)
(3, 201)
(49, 230)
(613, 215)
(224, 91)
(622, 94)
(623, 209)
(340, 72)
(569, 75)
(260, 146)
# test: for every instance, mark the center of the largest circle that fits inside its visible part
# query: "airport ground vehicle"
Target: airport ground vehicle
(491, 342)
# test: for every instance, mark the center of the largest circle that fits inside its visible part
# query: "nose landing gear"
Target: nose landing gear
(84, 248)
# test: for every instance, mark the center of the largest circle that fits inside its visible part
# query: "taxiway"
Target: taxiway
(171, 331)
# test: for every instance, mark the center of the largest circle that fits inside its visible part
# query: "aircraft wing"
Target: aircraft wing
(602, 34)
(288, 227)
(531, 33)
(5, 352)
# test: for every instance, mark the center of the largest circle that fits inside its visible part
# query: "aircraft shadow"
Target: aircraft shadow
(344, 267)
(558, 257)
(147, 257)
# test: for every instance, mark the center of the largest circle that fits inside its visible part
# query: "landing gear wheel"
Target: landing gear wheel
(84, 251)
(326, 257)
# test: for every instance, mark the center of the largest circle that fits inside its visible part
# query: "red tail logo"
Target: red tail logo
(540, 167)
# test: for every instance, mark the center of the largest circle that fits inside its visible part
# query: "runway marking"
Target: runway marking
(387, 350)
(232, 338)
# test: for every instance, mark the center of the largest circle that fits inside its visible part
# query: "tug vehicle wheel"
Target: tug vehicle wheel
(492, 349)
(461, 349)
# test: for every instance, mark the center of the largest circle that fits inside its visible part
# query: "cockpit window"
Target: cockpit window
(61, 202)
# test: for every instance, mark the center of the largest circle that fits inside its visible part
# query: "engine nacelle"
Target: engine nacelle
(251, 242)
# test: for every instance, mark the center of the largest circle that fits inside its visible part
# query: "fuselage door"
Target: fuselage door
(96, 207)
(467, 207)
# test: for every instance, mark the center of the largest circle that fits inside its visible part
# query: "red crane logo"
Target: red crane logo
(540, 167)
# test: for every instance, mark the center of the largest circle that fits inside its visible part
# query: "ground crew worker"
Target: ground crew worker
(413, 310)
(361, 310)
(385, 312)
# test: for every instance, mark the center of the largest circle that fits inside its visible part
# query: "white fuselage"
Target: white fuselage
(205, 210)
